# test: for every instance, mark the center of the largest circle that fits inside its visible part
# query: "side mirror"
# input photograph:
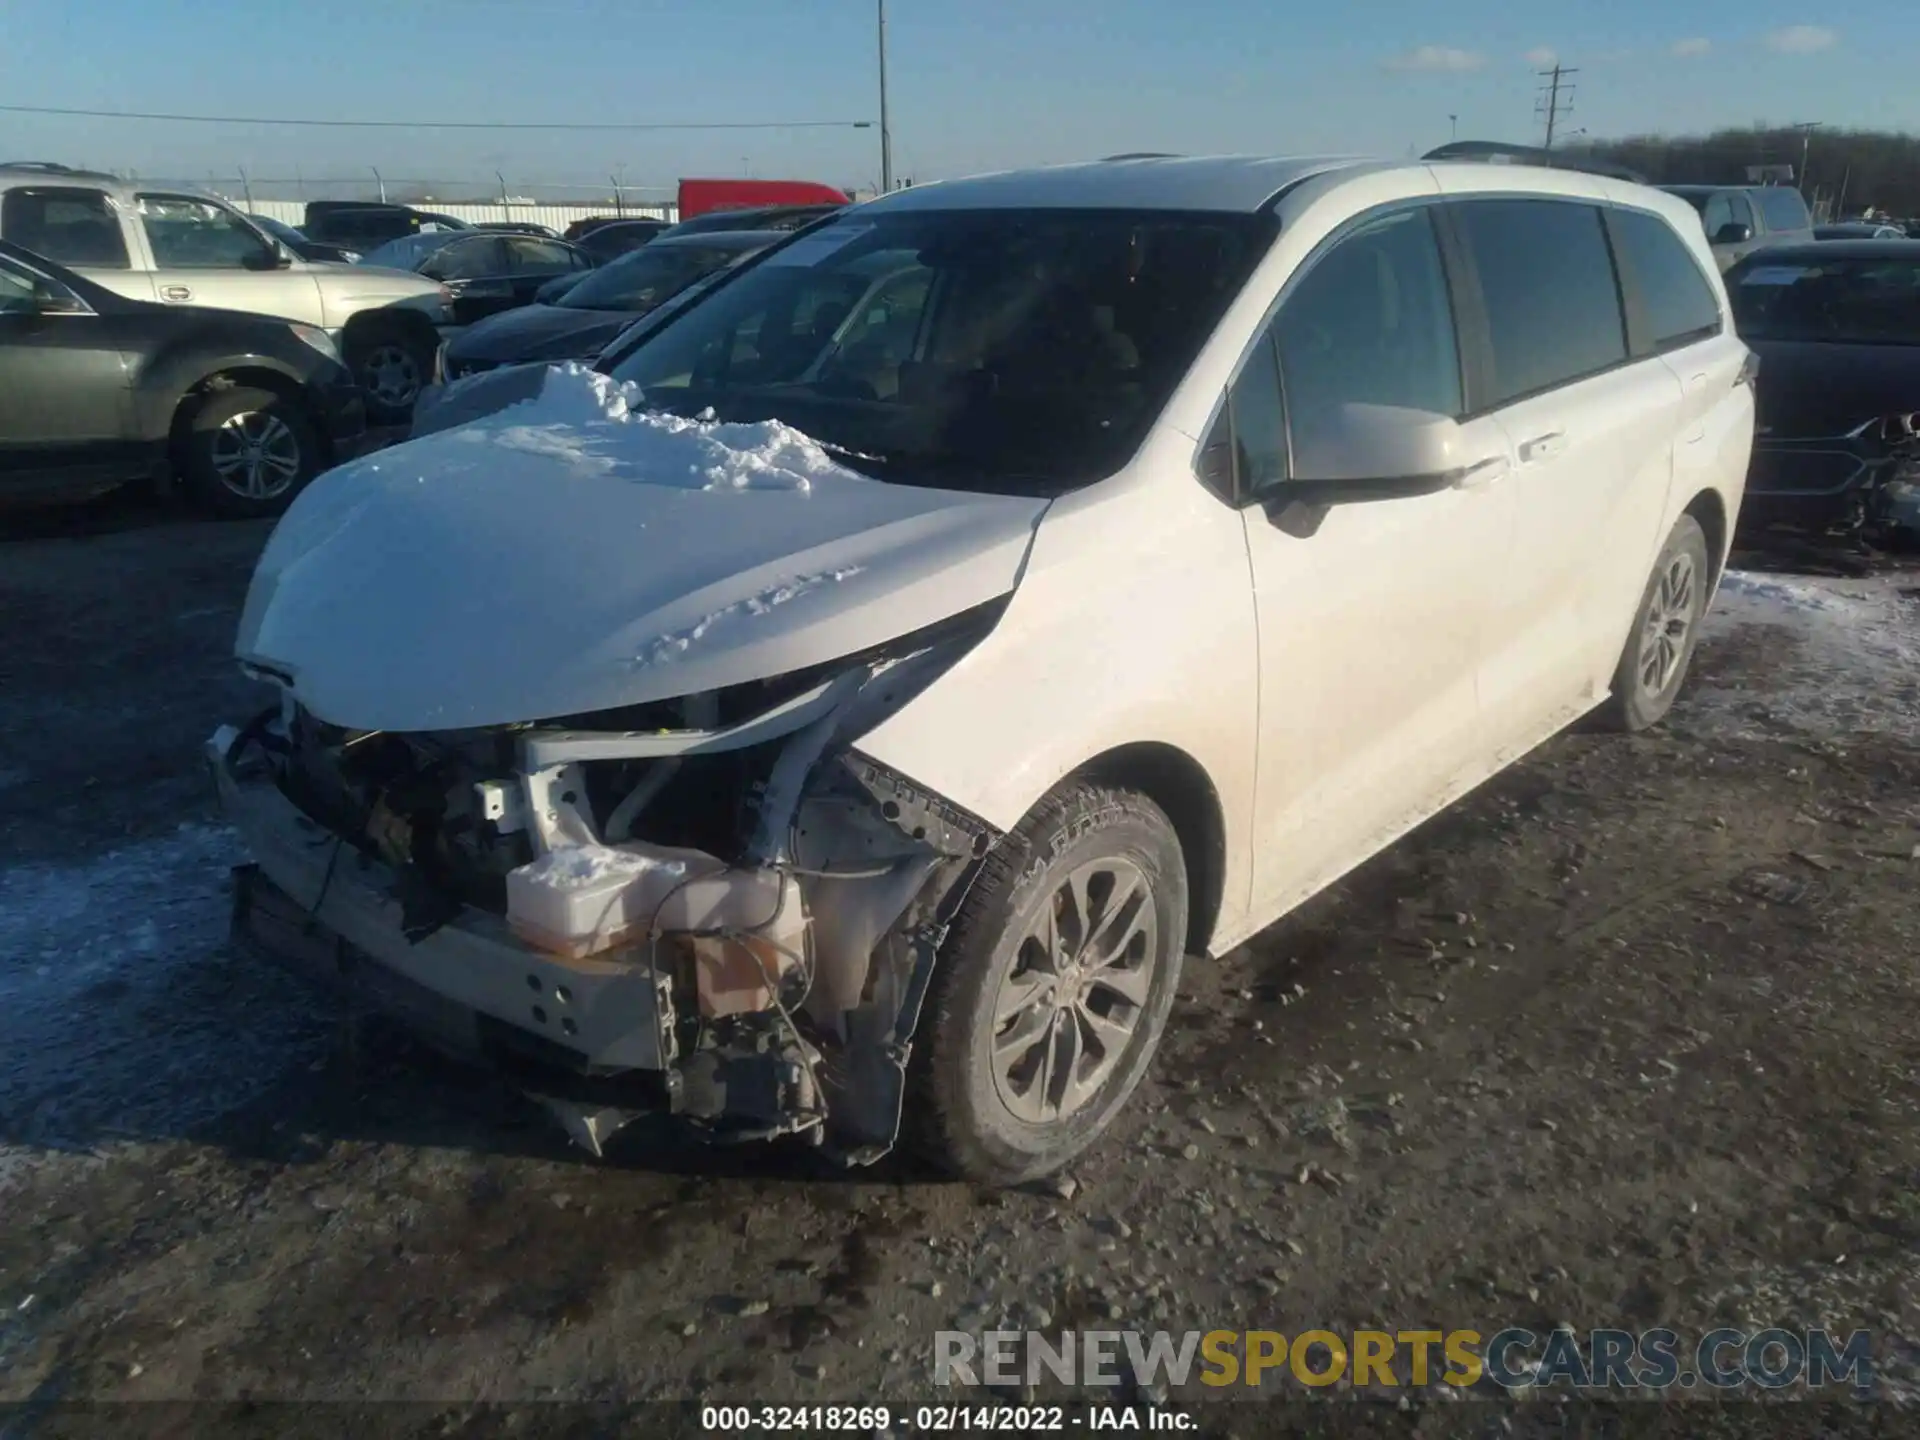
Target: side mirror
(1351, 453)
(271, 258)
(1733, 233)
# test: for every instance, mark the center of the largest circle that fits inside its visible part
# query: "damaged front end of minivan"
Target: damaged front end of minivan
(712, 904)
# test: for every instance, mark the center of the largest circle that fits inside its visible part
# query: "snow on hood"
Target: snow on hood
(568, 554)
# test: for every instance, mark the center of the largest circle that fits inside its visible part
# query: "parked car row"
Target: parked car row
(581, 320)
(154, 298)
(440, 300)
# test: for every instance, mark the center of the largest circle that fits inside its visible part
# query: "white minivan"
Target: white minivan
(842, 711)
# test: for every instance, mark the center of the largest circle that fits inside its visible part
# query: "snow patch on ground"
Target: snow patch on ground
(121, 1013)
(669, 648)
(1809, 655)
(594, 427)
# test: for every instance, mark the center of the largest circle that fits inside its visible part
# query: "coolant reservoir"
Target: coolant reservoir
(583, 899)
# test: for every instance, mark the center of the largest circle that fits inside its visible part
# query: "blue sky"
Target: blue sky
(976, 84)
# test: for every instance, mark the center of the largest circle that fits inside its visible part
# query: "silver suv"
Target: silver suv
(180, 247)
(1740, 219)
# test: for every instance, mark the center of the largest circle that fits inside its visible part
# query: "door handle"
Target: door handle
(1542, 446)
(175, 292)
(1697, 382)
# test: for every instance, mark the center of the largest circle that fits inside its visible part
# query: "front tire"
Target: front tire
(392, 368)
(1052, 988)
(1653, 664)
(246, 453)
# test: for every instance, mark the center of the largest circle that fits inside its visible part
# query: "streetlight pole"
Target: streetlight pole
(886, 132)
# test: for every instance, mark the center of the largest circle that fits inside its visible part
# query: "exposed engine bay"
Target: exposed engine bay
(713, 904)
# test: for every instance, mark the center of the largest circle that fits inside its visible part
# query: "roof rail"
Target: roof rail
(1139, 155)
(1494, 152)
(51, 167)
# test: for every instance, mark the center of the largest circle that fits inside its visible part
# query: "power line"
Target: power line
(443, 124)
(1551, 103)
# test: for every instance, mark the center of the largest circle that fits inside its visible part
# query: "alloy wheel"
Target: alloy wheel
(1074, 992)
(1669, 621)
(256, 455)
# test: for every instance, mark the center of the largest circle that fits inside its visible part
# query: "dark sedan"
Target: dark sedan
(97, 391)
(1836, 325)
(611, 241)
(580, 323)
(485, 271)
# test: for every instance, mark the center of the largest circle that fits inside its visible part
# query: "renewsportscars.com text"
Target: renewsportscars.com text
(1511, 1358)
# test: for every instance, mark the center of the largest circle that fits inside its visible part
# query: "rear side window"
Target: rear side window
(1553, 306)
(468, 259)
(1679, 305)
(68, 226)
(1783, 208)
(531, 255)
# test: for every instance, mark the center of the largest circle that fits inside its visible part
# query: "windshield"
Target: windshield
(1855, 301)
(643, 279)
(980, 349)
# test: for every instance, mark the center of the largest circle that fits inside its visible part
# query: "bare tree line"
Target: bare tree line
(1848, 170)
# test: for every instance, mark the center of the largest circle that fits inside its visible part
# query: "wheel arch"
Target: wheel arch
(1709, 510)
(1180, 786)
(391, 319)
(240, 375)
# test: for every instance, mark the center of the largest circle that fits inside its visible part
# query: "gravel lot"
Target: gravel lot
(1630, 1037)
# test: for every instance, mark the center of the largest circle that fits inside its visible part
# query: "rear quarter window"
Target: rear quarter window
(1677, 305)
(1782, 208)
(68, 226)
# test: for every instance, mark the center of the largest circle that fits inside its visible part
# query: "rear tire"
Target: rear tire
(246, 453)
(1666, 627)
(1052, 988)
(391, 368)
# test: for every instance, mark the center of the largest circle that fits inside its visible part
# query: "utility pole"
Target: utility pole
(886, 132)
(1556, 97)
(1806, 129)
(1453, 127)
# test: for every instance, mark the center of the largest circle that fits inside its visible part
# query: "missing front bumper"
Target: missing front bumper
(591, 1016)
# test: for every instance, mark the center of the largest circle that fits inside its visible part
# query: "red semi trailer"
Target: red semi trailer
(699, 197)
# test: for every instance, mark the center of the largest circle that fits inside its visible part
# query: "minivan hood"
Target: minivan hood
(564, 556)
